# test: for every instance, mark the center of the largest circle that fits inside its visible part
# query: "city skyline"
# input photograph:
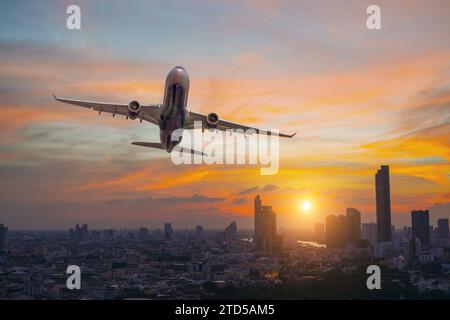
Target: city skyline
(358, 99)
(201, 264)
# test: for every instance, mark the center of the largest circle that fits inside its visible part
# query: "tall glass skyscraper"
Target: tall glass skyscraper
(420, 221)
(335, 231)
(266, 237)
(383, 198)
(353, 222)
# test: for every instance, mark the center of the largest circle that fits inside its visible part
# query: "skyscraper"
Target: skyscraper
(230, 232)
(383, 203)
(420, 221)
(168, 231)
(79, 233)
(198, 231)
(335, 231)
(353, 220)
(407, 232)
(3, 237)
(266, 237)
(319, 231)
(415, 248)
(369, 232)
(258, 231)
(84, 232)
(442, 228)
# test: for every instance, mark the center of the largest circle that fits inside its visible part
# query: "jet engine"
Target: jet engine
(133, 109)
(212, 119)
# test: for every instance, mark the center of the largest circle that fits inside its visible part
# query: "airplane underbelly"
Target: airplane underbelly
(173, 116)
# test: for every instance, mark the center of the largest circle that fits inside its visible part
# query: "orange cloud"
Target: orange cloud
(123, 181)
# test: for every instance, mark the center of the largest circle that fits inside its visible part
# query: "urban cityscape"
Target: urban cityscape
(234, 263)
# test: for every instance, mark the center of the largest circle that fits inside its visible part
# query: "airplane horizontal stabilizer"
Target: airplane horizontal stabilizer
(177, 148)
(158, 145)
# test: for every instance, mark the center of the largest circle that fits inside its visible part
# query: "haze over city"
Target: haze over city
(358, 100)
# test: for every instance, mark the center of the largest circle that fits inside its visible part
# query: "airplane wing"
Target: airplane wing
(148, 113)
(224, 125)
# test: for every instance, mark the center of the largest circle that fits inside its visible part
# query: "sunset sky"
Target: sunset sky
(357, 98)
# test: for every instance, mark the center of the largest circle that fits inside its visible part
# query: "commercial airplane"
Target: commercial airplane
(172, 114)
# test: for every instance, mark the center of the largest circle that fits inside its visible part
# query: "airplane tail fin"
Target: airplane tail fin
(158, 145)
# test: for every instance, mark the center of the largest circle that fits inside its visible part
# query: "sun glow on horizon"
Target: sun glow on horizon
(306, 206)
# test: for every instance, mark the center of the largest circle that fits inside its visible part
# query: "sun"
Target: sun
(306, 205)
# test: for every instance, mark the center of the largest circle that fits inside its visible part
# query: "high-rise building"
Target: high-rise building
(319, 232)
(353, 221)
(3, 237)
(198, 231)
(84, 232)
(404, 247)
(442, 228)
(410, 249)
(230, 232)
(79, 233)
(258, 217)
(384, 250)
(266, 237)
(415, 248)
(407, 232)
(383, 204)
(335, 231)
(420, 221)
(168, 231)
(369, 232)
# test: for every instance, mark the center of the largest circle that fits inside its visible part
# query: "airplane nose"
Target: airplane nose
(178, 71)
(178, 75)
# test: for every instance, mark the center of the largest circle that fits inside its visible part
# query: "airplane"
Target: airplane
(172, 114)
